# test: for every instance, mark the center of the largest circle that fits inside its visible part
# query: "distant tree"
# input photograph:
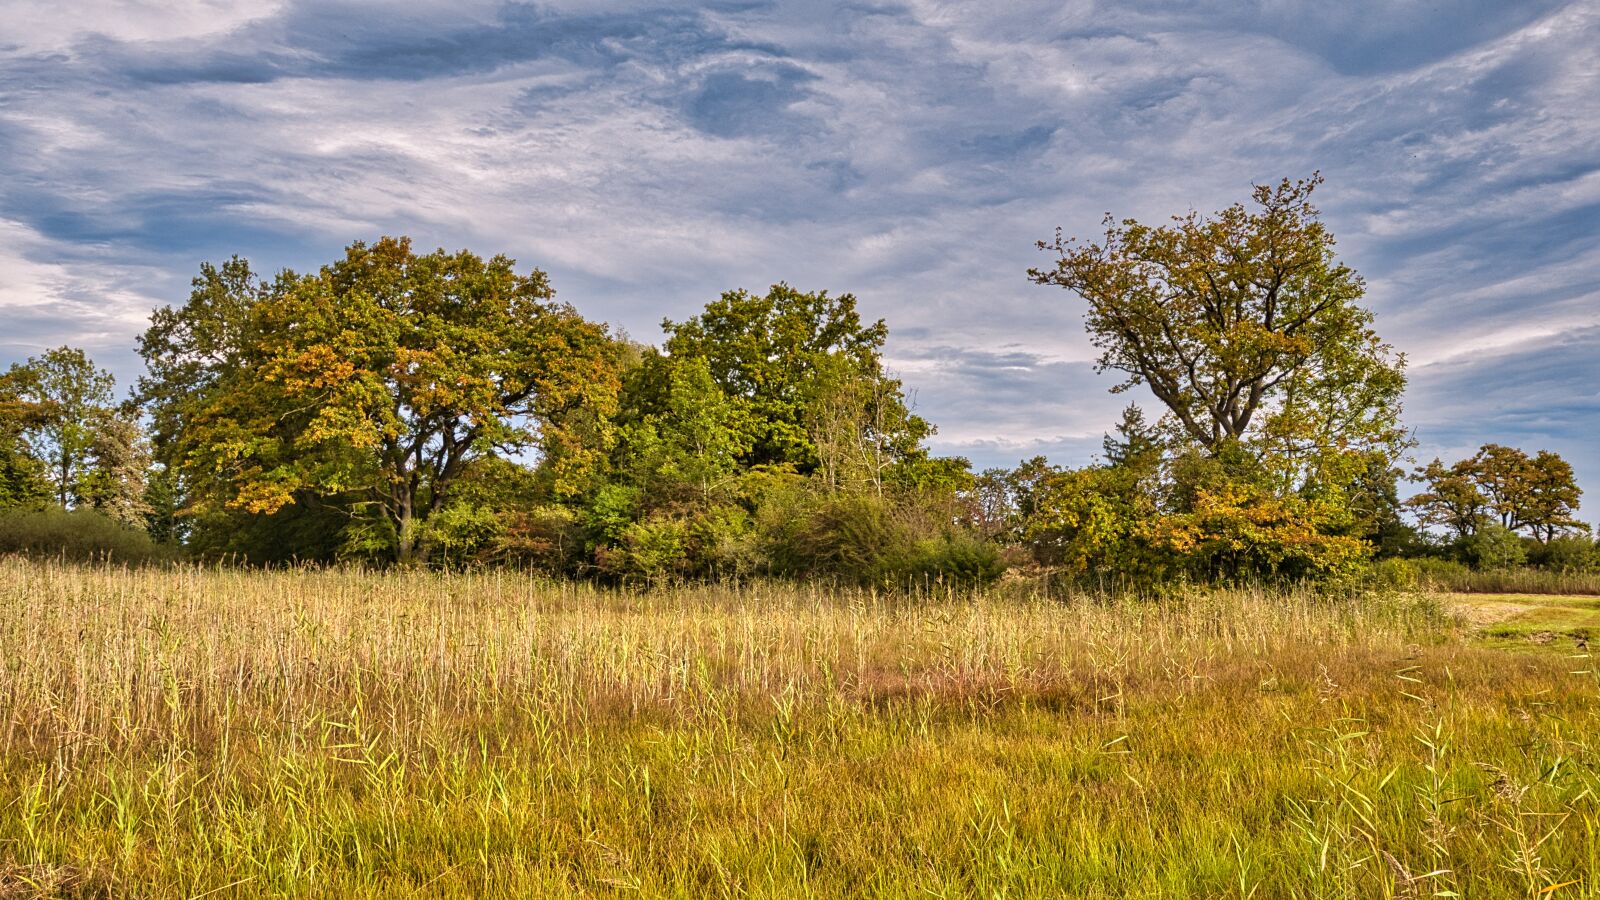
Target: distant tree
(22, 476)
(70, 397)
(1134, 440)
(1452, 499)
(860, 426)
(1244, 325)
(119, 466)
(1376, 511)
(1549, 498)
(90, 450)
(990, 509)
(1502, 484)
(374, 383)
(1501, 474)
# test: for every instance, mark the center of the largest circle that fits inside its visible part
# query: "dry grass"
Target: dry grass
(189, 733)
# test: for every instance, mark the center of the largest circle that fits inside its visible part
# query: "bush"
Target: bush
(652, 550)
(80, 534)
(851, 538)
(1568, 555)
(868, 541)
(1493, 548)
(954, 562)
(724, 544)
(547, 538)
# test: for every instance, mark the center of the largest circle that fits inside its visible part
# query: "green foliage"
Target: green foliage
(866, 540)
(1493, 547)
(1245, 326)
(56, 409)
(307, 531)
(22, 475)
(651, 551)
(1566, 554)
(680, 438)
(377, 381)
(1236, 533)
(68, 394)
(725, 543)
(80, 534)
(794, 363)
(443, 409)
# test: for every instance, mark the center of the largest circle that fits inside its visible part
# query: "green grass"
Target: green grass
(1542, 620)
(190, 733)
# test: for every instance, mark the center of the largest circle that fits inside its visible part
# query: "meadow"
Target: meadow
(204, 732)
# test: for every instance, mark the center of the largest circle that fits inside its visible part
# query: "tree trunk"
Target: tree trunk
(405, 532)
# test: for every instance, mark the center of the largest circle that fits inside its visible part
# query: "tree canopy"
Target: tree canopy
(377, 379)
(1243, 324)
(1503, 485)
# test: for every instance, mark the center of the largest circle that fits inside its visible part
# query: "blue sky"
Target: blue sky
(649, 156)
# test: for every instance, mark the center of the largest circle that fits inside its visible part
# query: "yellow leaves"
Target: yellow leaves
(312, 368)
(263, 497)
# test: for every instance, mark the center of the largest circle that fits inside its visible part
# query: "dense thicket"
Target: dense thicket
(396, 407)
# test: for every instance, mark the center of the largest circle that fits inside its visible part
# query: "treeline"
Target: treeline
(443, 409)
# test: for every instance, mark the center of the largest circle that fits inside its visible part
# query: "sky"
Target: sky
(649, 156)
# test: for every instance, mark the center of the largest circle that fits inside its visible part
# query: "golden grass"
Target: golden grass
(190, 732)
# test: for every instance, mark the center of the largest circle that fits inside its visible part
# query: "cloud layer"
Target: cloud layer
(651, 155)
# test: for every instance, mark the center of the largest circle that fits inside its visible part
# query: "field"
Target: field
(190, 732)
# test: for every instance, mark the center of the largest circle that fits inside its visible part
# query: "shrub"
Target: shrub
(81, 534)
(547, 538)
(956, 562)
(723, 543)
(463, 533)
(1569, 555)
(1493, 547)
(868, 540)
(848, 537)
(652, 550)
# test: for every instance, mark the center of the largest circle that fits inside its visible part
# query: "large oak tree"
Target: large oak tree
(378, 380)
(1244, 324)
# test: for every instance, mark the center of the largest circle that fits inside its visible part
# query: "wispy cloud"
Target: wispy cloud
(650, 155)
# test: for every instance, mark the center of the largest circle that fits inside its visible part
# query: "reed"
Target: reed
(187, 732)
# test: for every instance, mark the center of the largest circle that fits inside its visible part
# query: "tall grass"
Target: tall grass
(189, 732)
(1518, 581)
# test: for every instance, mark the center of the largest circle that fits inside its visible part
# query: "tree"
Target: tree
(119, 465)
(686, 438)
(374, 383)
(189, 351)
(71, 399)
(1452, 499)
(1243, 324)
(1136, 447)
(781, 356)
(22, 476)
(1550, 498)
(1537, 493)
(1501, 474)
(859, 425)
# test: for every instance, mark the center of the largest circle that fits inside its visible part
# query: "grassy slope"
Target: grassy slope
(315, 735)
